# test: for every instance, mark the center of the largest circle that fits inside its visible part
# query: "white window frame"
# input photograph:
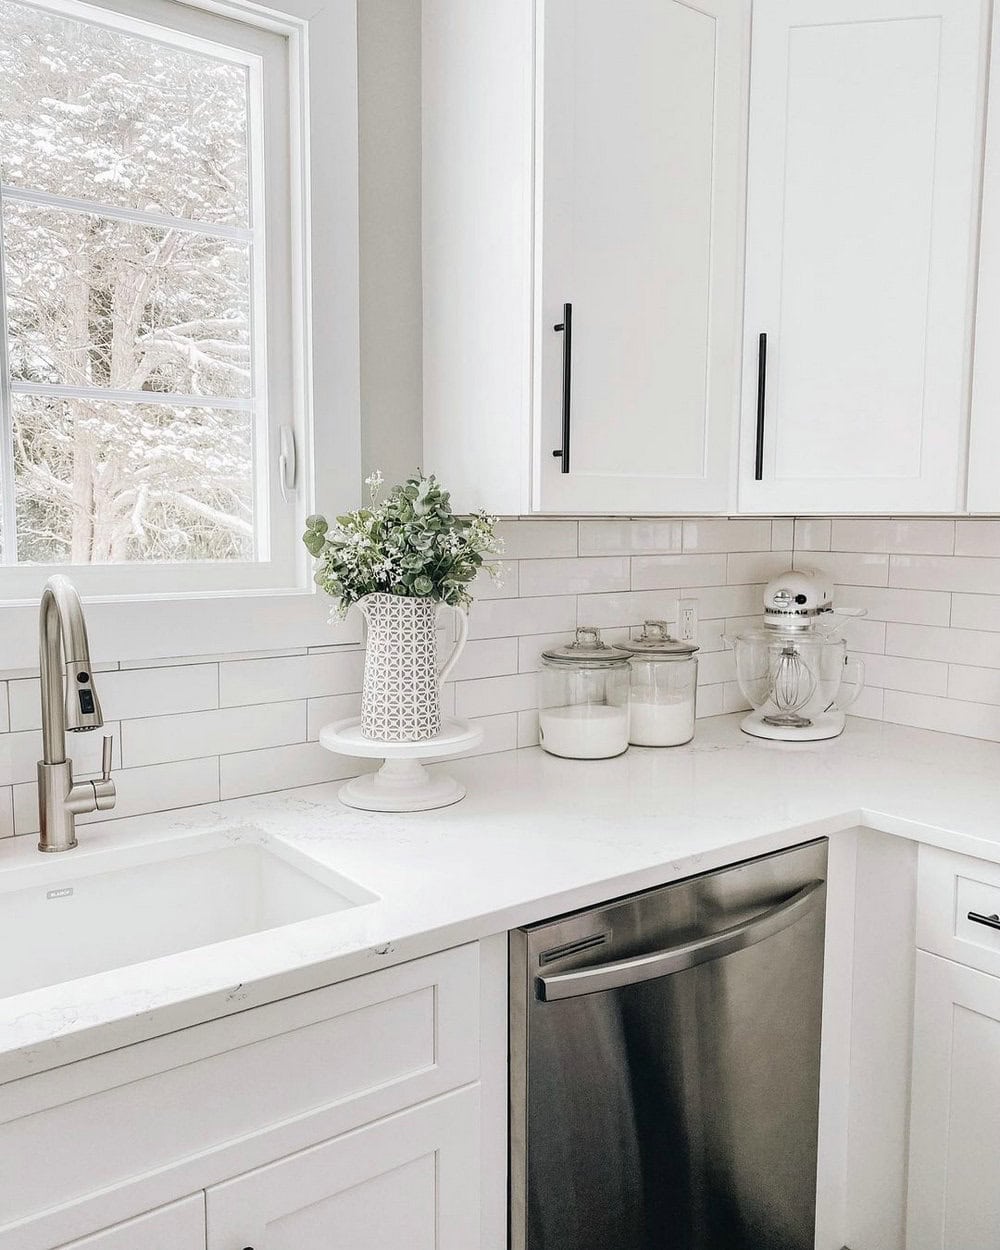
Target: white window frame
(166, 610)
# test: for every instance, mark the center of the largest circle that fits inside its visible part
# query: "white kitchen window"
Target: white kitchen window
(152, 397)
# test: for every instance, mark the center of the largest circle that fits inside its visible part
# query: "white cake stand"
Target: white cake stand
(402, 784)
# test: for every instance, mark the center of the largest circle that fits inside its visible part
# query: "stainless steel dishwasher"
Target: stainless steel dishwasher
(665, 1065)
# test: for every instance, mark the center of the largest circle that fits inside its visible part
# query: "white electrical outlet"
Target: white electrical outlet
(687, 620)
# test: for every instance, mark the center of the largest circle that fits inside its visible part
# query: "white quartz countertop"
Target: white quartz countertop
(536, 836)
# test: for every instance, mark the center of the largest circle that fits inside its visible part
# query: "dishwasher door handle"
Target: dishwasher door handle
(613, 975)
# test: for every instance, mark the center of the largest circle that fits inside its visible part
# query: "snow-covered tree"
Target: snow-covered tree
(103, 303)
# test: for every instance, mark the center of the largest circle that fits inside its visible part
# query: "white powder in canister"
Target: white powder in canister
(661, 724)
(585, 731)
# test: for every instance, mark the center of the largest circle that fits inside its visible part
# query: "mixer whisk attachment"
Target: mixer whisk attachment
(793, 686)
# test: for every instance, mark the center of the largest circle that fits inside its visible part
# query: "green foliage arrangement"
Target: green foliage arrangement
(410, 544)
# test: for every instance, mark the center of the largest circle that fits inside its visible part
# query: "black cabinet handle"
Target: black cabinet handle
(566, 327)
(991, 922)
(758, 462)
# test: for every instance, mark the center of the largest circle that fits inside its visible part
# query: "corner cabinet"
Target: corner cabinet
(862, 217)
(582, 240)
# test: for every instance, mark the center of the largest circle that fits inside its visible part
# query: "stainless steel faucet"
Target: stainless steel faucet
(62, 635)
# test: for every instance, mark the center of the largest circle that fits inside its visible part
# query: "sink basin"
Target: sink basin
(95, 912)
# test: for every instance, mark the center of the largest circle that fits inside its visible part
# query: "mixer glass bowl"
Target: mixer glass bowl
(794, 678)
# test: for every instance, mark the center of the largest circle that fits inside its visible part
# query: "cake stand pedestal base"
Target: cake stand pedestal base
(402, 784)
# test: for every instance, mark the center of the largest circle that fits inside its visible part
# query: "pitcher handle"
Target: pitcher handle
(459, 647)
(858, 683)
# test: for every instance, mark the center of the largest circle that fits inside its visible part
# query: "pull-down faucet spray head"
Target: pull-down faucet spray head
(64, 661)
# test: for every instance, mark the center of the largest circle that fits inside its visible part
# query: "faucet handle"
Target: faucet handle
(104, 788)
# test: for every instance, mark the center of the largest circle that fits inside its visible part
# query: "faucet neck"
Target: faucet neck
(51, 673)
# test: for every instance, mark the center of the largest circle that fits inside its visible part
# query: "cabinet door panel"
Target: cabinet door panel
(641, 207)
(180, 1226)
(863, 167)
(954, 1179)
(411, 1180)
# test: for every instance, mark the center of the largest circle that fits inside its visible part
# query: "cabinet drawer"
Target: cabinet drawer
(208, 1102)
(952, 891)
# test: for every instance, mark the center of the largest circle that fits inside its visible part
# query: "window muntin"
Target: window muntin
(184, 359)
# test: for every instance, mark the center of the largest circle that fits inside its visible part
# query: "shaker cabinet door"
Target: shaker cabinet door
(864, 156)
(638, 253)
(411, 1180)
(954, 1175)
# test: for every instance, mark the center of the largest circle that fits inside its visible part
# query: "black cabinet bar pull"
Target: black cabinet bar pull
(758, 461)
(566, 327)
(991, 922)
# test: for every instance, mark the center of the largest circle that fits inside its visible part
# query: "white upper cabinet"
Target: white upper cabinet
(984, 443)
(589, 154)
(639, 231)
(865, 143)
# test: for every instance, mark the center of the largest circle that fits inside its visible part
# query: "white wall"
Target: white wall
(389, 133)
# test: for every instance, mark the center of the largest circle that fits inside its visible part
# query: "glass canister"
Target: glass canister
(583, 698)
(664, 688)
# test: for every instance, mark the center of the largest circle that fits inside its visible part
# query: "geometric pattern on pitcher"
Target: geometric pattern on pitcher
(400, 698)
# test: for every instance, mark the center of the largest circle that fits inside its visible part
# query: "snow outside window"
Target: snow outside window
(150, 336)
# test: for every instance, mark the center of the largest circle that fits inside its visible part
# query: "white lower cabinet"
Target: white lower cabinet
(367, 1115)
(411, 1180)
(179, 1226)
(954, 1175)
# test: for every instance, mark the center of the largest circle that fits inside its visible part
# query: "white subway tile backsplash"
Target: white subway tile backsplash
(953, 646)
(976, 685)
(847, 569)
(304, 764)
(753, 567)
(486, 657)
(133, 692)
(922, 607)
(628, 538)
(931, 643)
(628, 608)
(502, 584)
(662, 572)
(782, 533)
(20, 753)
(975, 611)
(159, 739)
(499, 734)
(724, 534)
(974, 720)
(6, 812)
(537, 540)
(330, 708)
(972, 574)
(529, 649)
(244, 682)
(899, 673)
(579, 576)
(869, 703)
(919, 536)
(506, 618)
(491, 696)
(977, 538)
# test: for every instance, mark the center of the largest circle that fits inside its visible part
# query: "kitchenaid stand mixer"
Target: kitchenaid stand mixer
(791, 667)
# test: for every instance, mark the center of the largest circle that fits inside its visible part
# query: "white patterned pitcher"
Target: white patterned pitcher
(401, 698)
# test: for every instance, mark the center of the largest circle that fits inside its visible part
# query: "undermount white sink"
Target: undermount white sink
(92, 913)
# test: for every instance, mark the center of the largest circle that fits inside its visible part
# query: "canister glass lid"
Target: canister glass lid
(656, 643)
(587, 648)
